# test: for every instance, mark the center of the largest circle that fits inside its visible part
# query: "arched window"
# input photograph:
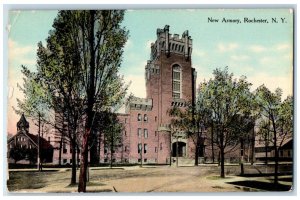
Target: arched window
(176, 81)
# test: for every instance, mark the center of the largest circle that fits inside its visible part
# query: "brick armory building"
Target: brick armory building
(170, 81)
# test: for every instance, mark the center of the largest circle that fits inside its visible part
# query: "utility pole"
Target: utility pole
(177, 151)
(170, 148)
(39, 151)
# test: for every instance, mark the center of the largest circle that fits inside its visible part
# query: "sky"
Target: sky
(263, 52)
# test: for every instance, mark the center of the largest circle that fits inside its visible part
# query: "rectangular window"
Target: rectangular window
(155, 133)
(160, 146)
(105, 160)
(139, 132)
(105, 149)
(125, 133)
(145, 133)
(139, 148)
(70, 160)
(145, 160)
(64, 160)
(139, 160)
(155, 118)
(145, 148)
(125, 120)
(155, 149)
(126, 148)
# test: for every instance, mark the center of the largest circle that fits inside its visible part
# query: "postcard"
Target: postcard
(150, 100)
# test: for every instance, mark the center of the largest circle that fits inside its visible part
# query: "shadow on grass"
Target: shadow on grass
(217, 177)
(262, 185)
(265, 174)
(87, 184)
(108, 168)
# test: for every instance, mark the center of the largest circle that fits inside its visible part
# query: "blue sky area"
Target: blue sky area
(263, 52)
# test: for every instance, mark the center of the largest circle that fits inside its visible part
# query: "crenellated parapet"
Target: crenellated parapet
(167, 43)
(136, 103)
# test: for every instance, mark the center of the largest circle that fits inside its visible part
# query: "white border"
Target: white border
(88, 4)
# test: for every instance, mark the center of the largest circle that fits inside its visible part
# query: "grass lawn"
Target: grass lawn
(147, 179)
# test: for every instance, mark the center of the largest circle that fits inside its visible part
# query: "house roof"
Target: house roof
(34, 139)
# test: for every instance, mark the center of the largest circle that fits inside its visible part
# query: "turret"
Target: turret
(22, 124)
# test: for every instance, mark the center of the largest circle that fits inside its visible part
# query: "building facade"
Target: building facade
(22, 148)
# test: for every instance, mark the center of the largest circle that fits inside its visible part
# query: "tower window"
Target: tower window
(139, 117)
(176, 82)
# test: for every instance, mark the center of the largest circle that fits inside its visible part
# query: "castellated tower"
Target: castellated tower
(170, 78)
(170, 81)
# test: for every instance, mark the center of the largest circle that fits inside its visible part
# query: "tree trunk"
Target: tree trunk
(39, 146)
(196, 154)
(83, 163)
(90, 100)
(197, 145)
(242, 156)
(222, 155)
(73, 177)
(177, 152)
(212, 143)
(222, 162)
(253, 146)
(111, 149)
(276, 152)
(170, 148)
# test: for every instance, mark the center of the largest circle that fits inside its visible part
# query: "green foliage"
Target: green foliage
(18, 153)
(31, 155)
(229, 101)
(276, 123)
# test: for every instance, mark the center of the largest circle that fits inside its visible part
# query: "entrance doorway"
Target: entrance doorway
(181, 149)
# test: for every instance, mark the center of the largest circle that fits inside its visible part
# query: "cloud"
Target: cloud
(19, 53)
(266, 60)
(227, 47)
(138, 85)
(239, 57)
(199, 53)
(148, 45)
(285, 82)
(128, 44)
(257, 48)
(282, 47)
